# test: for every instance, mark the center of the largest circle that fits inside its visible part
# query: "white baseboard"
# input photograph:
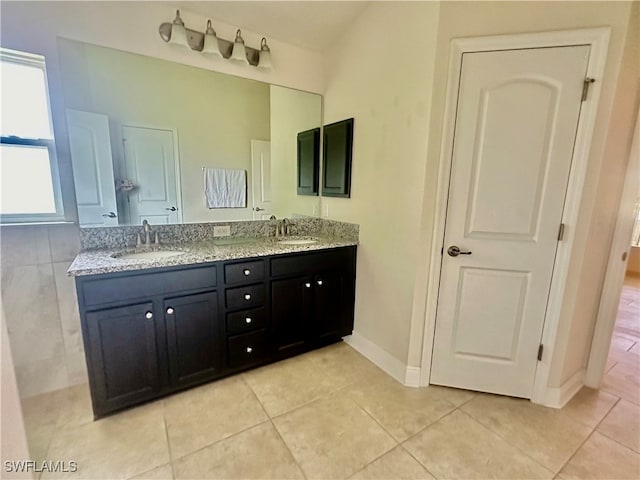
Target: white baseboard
(409, 376)
(412, 377)
(558, 397)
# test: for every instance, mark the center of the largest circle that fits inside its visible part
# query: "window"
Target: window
(29, 181)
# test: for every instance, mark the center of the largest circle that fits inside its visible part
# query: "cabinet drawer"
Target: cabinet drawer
(245, 272)
(246, 321)
(141, 285)
(244, 297)
(297, 264)
(247, 349)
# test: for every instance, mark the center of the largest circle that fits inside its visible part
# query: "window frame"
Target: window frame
(36, 61)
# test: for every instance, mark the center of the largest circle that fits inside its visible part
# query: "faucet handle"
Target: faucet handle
(156, 240)
(138, 241)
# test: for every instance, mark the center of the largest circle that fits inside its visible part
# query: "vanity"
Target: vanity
(153, 328)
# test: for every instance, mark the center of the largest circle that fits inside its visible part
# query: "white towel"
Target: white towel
(225, 188)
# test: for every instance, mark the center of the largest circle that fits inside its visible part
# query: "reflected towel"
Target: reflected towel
(225, 188)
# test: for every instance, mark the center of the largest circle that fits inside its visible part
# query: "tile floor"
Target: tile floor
(332, 414)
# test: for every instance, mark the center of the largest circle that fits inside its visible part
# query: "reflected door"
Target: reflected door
(151, 163)
(90, 146)
(516, 122)
(261, 179)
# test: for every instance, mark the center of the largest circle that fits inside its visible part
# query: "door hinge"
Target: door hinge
(561, 232)
(585, 87)
(540, 349)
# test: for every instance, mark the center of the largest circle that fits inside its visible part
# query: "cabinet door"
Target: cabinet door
(331, 311)
(193, 337)
(291, 302)
(123, 361)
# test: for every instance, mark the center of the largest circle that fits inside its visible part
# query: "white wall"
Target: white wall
(386, 86)
(13, 438)
(292, 111)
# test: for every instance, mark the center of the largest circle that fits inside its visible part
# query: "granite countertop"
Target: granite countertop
(93, 262)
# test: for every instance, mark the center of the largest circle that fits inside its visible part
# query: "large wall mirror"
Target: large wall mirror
(143, 131)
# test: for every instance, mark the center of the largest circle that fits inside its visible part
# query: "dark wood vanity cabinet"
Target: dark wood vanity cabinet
(151, 332)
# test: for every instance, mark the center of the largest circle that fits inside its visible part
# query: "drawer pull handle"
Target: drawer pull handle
(248, 320)
(247, 296)
(319, 282)
(148, 315)
(246, 272)
(308, 285)
(249, 349)
(169, 311)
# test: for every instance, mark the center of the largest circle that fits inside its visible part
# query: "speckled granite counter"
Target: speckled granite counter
(92, 262)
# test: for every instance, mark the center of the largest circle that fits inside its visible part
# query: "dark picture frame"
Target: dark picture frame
(308, 162)
(336, 159)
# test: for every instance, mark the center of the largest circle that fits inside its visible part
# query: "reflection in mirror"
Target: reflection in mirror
(143, 132)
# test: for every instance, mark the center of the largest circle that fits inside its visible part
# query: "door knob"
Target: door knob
(258, 209)
(170, 311)
(148, 315)
(109, 215)
(454, 251)
(171, 209)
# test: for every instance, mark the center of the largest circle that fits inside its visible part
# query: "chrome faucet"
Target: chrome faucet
(146, 227)
(283, 227)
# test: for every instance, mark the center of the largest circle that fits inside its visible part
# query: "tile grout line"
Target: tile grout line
(166, 434)
(537, 462)
(304, 474)
(587, 437)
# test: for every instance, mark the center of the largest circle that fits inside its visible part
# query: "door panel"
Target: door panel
(150, 162)
(123, 357)
(90, 146)
(329, 303)
(195, 346)
(516, 121)
(291, 303)
(261, 179)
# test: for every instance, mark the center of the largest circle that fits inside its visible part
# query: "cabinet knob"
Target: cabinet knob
(247, 296)
(308, 285)
(319, 282)
(170, 311)
(148, 315)
(248, 320)
(246, 272)
(249, 349)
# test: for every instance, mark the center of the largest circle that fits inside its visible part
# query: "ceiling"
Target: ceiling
(314, 25)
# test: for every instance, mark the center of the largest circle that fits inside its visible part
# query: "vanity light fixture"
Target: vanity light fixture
(178, 35)
(265, 55)
(239, 52)
(211, 45)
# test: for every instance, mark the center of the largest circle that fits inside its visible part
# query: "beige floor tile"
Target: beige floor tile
(206, 414)
(76, 407)
(457, 396)
(333, 437)
(257, 453)
(623, 425)
(546, 434)
(343, 364)
(402, 411)
(590, 406)
(601, 458)
(396, 464)
(457, 446)
(623, 380)
(40, 415)
(286, 385)
(115, 447)
(165, 472)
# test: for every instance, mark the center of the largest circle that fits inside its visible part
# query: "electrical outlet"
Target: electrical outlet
(222, 231)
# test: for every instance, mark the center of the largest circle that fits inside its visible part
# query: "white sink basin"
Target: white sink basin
(297, 241)
(160, 254)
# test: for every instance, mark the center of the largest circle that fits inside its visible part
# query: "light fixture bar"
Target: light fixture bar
(196, 42)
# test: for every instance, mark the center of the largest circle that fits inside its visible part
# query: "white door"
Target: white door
(90, 145)
(261, 179)
(151, 163)
(516, 122)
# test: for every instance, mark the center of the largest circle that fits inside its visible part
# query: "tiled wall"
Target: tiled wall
(40, 306)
